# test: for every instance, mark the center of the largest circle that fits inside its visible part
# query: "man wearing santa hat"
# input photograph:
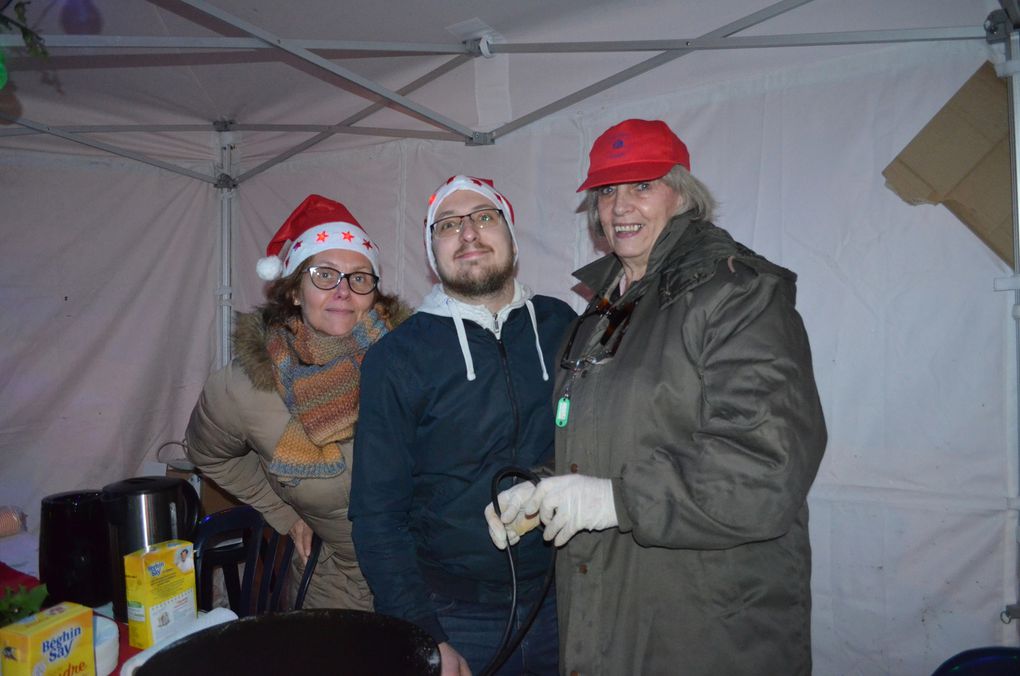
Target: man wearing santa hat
(452, 396)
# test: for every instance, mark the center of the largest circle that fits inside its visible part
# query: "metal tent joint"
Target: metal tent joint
(226, 182)
(1002, 22)
(480, 46)
(481, 138)
(997, 26)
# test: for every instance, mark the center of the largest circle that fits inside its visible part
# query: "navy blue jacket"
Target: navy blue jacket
(427, 446)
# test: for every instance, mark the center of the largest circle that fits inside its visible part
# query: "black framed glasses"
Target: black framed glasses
(327, 279)
(451, 226)
(612, 336)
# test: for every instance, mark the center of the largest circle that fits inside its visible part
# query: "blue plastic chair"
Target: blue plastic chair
(239, 535)
(988, 661)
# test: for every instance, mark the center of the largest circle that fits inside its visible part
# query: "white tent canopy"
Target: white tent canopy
(112, 270)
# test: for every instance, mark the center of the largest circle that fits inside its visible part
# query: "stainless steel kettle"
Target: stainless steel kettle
(142, 511)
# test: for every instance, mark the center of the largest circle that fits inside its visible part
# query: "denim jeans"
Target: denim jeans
(475, 630)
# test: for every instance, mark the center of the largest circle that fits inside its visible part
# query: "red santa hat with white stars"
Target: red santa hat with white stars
(318, 224)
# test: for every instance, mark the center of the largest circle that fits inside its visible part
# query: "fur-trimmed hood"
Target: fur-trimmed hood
(251, 332)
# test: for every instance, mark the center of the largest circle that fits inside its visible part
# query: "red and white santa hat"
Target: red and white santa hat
(482, 186)
(318, 224)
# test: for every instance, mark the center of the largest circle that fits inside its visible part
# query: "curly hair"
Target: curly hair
(697, 199)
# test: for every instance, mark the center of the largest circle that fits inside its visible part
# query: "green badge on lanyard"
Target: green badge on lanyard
(563, 411)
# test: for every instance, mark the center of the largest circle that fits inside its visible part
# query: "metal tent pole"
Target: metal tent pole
(224, 293)
(1013, 60)
(1001, 25)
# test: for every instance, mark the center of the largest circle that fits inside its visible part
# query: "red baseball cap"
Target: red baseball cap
(634, 150)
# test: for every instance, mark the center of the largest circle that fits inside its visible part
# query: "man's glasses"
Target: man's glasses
(609, 343)
(451, 226)
(327, 279)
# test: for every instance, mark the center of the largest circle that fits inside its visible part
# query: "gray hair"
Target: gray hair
(697, 198)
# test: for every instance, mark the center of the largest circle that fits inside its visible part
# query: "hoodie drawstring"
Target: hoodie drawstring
(458, 323)
(441, 305)
(538, 343)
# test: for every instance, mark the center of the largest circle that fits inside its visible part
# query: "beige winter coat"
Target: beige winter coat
(231, 437)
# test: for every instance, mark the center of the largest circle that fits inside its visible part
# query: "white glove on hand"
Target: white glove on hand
(512, 521)
(573, 502)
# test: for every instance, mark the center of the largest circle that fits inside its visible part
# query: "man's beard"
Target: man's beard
(469, 285)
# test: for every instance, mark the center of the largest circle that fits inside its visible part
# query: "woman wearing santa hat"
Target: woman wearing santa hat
(275, 427)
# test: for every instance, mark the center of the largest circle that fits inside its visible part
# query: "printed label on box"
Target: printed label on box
(160, 589)
(53, 642)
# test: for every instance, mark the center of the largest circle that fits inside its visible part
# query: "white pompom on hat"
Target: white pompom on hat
(318, 224)
(482, 186)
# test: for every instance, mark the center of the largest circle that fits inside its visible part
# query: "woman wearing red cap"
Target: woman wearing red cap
(275, 427)
(689, 431)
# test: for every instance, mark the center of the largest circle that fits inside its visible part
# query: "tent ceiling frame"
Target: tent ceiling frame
(367, 49)
(749, 42)
(112, 149)
(628, 73)
(156, 128)
(314, 52)
(346, 125)
(228, 43)
(395, 99)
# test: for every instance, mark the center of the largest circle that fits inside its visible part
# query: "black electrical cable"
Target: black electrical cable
(507, 644)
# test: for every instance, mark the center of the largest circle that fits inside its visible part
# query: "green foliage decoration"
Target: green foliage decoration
(16, 604)
(33, 41)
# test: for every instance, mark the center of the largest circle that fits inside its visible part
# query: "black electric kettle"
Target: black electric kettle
(73, 549)
(140, 512)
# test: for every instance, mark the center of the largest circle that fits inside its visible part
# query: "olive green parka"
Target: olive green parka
(708, 422)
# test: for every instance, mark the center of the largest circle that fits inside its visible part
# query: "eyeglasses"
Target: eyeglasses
(609, 343)
(451, 226)
(326, 278)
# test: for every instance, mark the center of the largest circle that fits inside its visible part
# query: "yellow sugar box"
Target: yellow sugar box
(53, 642)
(160, 589)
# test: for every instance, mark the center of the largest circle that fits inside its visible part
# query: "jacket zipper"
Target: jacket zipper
(511, 395)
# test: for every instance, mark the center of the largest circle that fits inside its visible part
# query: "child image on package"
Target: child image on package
(185, 561)
(53, 642)
(160, 590)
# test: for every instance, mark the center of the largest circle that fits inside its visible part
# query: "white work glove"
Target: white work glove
(512, 522)
(573, 502)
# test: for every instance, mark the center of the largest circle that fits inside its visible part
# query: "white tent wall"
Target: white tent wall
(913, 532)
(106, 330)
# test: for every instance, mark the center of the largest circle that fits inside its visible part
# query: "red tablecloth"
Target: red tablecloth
(11, 578)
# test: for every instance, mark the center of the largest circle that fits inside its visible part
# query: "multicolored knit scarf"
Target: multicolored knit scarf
(319, 378)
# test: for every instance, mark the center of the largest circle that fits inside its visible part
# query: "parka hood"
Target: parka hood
(698, 245)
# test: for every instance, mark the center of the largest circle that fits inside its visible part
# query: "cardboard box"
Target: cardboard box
(53, 642)
(212, 497)
(160, 590)
(961, 159)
